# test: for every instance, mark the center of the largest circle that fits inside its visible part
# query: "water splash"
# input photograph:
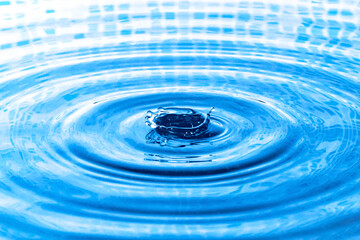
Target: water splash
(183, 123)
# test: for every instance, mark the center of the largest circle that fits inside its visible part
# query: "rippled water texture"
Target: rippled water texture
(279, 157)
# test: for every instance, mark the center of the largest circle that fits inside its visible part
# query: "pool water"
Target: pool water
(277, 158)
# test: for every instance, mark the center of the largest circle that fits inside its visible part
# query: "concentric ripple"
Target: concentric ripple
(278, 157)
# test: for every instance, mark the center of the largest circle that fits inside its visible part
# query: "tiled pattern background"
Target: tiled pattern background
(52, 24)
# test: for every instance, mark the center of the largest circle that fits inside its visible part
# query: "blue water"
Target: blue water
(277, 158)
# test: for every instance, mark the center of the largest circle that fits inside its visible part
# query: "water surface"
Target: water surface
(280, 158)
